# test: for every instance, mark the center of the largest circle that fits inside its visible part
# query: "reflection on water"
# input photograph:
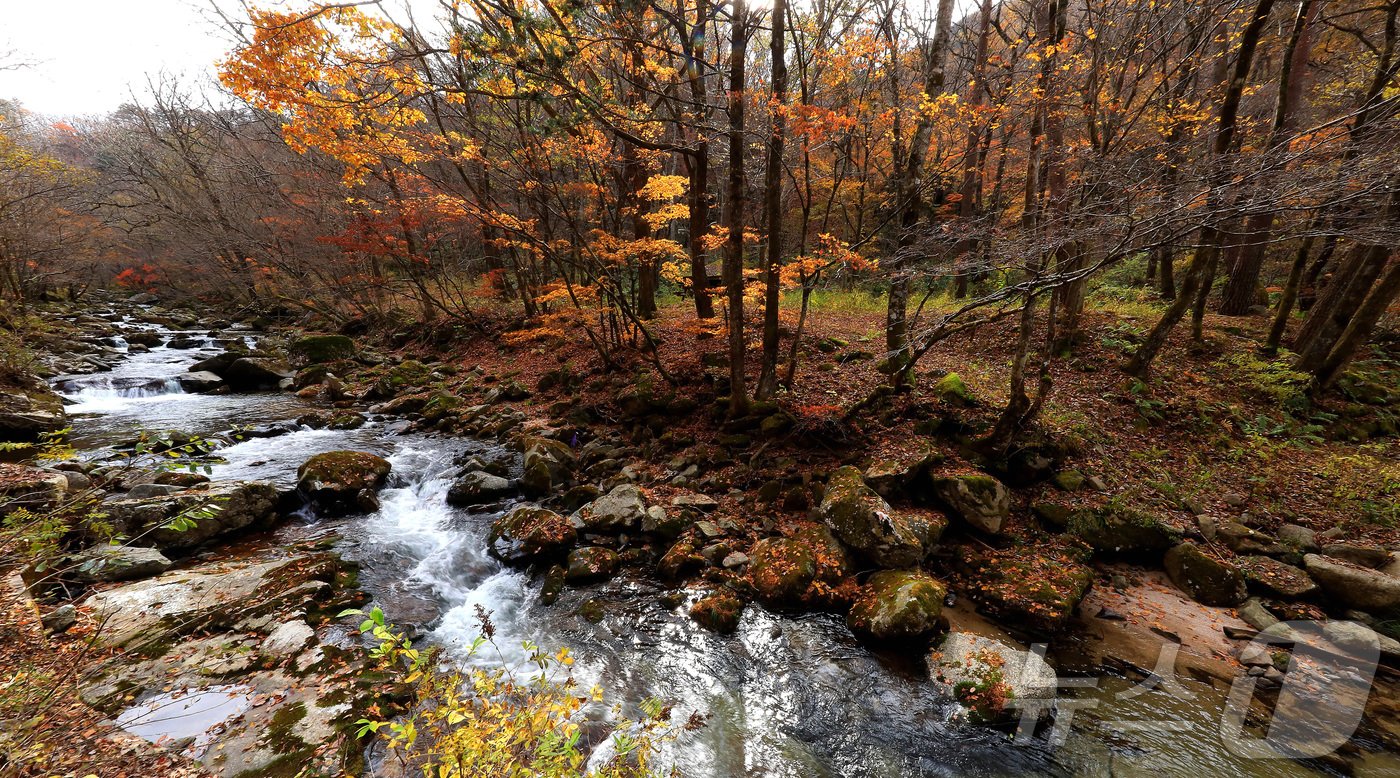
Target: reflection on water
(170, 717)
(788, 695)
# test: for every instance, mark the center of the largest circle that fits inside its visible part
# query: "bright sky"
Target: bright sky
(87, 56)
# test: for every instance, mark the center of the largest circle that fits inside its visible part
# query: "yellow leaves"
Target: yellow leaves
(659, 187)
(665, 214)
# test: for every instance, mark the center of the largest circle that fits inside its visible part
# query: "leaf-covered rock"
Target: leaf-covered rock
(897, 605)
(862, 520)
(529, 533)
(342, 482)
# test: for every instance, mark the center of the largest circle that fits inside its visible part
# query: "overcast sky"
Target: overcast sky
(86, 56)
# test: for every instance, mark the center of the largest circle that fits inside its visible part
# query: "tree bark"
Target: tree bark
(773, 205)
(734, 211)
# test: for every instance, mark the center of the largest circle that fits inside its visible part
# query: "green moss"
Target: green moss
(316, 349)
(718, 612)
(950, 388)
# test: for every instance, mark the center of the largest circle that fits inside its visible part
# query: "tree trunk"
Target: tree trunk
(734, 211)
(773, 205)
(698, 198)
(1362, 322)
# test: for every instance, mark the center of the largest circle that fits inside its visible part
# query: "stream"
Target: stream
(787, 695)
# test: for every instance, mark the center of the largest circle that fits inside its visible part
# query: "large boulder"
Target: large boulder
(477, 488)
(1353, 586)
(28, 411)
(548, 465)
(317, 349)
(343, 482)
(620, 510)
(589, 564)
(1031, 588)
(781, 569)
(1118, 529)
(257, 373)
(987, 675)
(529, 533)
(192, 517)
(116, 563)
(978, 499)
(897, 605)
(199, 382)
(219, 364)
(1266, 575)
(1208, 580)
(184, 601)
(862, 519)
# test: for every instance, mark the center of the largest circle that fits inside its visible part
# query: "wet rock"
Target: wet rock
(1120, 529)
(219, 364)
(897, 605)
(862, 519)
(1269, 576)
(984, 674)
(1206, 579)
(1355, 587)
(30, 410)
(590, 564)
(718, 611)
(548, 466)
(317, 349)
(478, 488)
(116, 563)
(978, 499)
(182, 479)
(592, 611)
(553, 585)
(529, 533)
(781, 569)
(199, 382)
(189, 518)
(185, 342)
(333, 420)
(679, 561)
(620, 510)
(333, 481)
(256, 373)
(1373, 557)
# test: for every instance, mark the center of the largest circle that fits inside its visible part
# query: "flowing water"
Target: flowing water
(785, 696)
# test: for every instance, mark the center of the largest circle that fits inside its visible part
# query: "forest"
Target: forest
(656, 387)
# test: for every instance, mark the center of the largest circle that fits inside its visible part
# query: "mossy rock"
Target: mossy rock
(718, 611)
(529, 533)
(336, 480)
(951, 389)
(440, 404)
(1122, 530)
(781, 569)
(862, 520)
(1028, 587)
(319, 349)
(1206, 579)
(897, 605)
(1069, 480)
(978, 499)
(407, 374)
(592, 611)
(590, 564)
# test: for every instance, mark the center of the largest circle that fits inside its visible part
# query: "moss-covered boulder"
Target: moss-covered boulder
(718, 611)
(318, 349)
(1122, 530)
(1208, 580)
(862, 520)
(679, 561)
(781, 569)
(590, 564)
(833, 563)
(951, 389)
(978, 499)
(439, 405)
(901, 471)
(897, 605)
(529, 533)
(1030, 587)
(548, 465)
(338, 483)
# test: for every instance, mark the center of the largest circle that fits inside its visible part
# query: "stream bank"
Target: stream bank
(789, 691)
